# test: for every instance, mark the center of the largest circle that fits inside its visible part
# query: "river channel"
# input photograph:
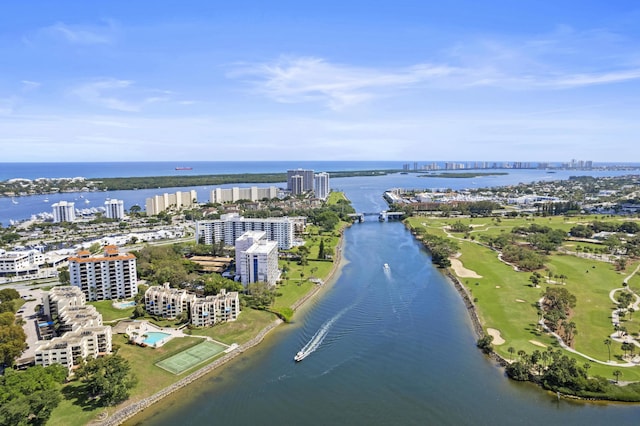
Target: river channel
(396, 348)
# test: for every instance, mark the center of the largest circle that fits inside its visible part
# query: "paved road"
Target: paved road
(30, 317)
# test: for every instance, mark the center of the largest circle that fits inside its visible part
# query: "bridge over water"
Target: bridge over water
(382, 216)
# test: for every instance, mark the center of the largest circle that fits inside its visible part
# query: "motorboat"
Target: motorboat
(299, 356)
(386, 266)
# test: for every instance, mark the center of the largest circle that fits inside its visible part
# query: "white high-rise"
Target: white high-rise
(114, 209)
(256, 258)
(64, 211)
(111, 276)
(231, 226)
(321, 185)
(231, 195)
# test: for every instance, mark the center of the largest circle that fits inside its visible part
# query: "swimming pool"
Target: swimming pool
(154, 337)
(124, 305)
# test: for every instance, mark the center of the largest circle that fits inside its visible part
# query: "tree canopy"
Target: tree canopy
(28, 397)
(108, 378)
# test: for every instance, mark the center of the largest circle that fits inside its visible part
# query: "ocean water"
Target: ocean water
(160, 168)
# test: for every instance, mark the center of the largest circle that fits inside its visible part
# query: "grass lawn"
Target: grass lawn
(76, 410)
(247, 326)
(109, 313)
(506, 300)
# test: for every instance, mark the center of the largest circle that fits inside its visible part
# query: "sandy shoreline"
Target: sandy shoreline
(125, 413)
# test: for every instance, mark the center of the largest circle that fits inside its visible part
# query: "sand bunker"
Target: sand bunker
(497, 339)
(461, 271)
(535, 342)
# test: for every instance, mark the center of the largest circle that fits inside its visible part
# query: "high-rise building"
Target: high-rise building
(256, 258)
(110, 276)
(64, 211)
(178, 200)
(321, 185)
(296, 184)
(231, 226)
(231, 195)
(307, 179)
(114, 209)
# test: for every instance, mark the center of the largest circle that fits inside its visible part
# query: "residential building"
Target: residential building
(59, 297)
(167, 302)
(74, 346)
(64, 211)
(296, 184)
(321, 185)
(177, 201)
(210, 310)
(114, 209)
(79, 326)
(231, 195)
(110, 276)
(307, 179)
(231, 226)
(206, 311)
(256, 258)
(20, 262)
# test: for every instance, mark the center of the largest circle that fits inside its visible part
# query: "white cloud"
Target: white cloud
(311, 79)
(119, 95)
(579, 80)
(28, 85)
(105, 93)
(293, 80)
(84, 35)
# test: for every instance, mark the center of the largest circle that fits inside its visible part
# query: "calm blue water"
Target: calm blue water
(166, 168)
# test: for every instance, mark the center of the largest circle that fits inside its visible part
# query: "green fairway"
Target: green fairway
(506, 300)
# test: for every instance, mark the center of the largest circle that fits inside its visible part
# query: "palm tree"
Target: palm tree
(586, 367)
(607, 342)
(617, 375)
(511, 351)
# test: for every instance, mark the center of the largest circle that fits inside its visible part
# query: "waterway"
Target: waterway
(398, 348)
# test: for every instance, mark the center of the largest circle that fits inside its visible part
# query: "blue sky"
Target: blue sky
(320, 80)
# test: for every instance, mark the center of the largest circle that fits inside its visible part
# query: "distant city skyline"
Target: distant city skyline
(332, 80)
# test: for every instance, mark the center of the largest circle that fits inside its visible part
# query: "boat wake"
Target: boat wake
(318, 338)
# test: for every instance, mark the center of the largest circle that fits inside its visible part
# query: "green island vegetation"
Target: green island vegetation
(123, 183)
(533, 275)
(462, 175)
(10, 188)
(134, 373)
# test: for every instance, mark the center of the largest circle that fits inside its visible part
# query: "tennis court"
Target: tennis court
(191, 357)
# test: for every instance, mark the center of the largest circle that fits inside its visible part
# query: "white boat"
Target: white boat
(299, 356)
(385, 266)
(14, 201)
